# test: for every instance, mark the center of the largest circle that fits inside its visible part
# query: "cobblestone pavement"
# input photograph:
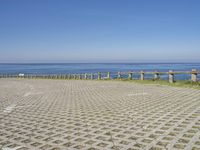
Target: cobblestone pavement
(97, 115)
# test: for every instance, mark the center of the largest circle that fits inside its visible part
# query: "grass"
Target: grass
(178, 83)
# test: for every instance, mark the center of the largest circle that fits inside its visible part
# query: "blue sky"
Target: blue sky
(99, 31)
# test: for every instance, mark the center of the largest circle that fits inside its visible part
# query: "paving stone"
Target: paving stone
(97, 115)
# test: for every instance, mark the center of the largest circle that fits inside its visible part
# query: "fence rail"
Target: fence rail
(141, 75)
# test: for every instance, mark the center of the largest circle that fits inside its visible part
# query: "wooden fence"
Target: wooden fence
(119, 75)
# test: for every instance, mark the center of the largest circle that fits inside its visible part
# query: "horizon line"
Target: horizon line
(99, 62)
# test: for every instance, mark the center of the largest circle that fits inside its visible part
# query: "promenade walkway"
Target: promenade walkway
(97, 115)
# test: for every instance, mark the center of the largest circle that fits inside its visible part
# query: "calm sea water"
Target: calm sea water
(65, 68)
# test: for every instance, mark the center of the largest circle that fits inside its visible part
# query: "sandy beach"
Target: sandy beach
(97, 115)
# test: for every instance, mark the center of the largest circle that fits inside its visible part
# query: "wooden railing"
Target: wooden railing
(119, 75)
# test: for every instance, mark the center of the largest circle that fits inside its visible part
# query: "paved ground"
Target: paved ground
(102, 115)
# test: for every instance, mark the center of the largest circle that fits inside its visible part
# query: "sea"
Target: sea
(113, 68)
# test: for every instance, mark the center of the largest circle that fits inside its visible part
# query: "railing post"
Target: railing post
(108, 75)
(85, 75)
(156, 75)
(92, 76)
(142, 75)
(119, 75)
(99, 76)
(171, 76)
(194, 75)
(130, 75)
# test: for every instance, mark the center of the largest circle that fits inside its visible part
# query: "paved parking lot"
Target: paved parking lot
(97, 115)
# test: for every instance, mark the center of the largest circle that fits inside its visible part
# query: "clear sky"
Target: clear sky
(99, 31)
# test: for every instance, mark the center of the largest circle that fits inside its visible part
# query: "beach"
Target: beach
(97, 115)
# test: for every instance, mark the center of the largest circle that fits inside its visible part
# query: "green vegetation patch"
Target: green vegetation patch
(178, 83)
